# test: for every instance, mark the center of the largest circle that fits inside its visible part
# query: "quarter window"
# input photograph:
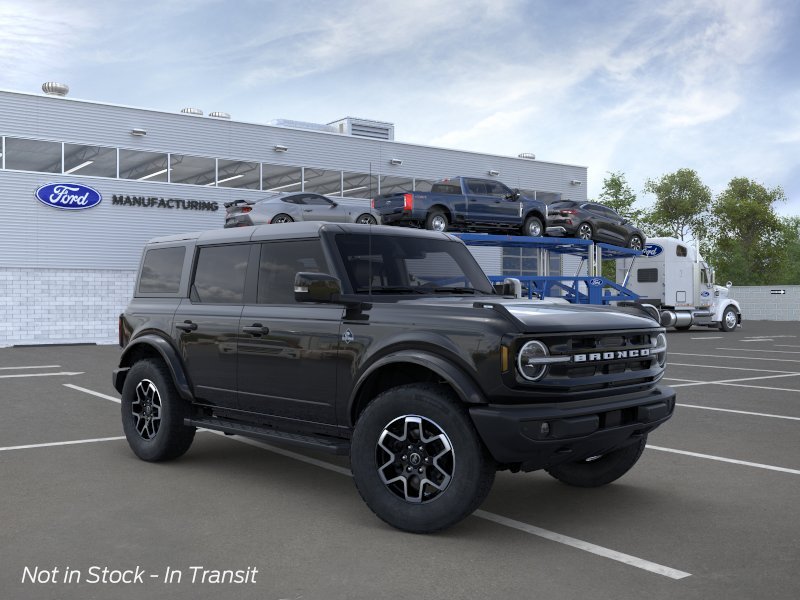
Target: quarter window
(161, 270)
(647, 275)
(220, 273)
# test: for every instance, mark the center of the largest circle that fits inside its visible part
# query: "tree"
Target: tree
(750, 241)
(618, 195)
(681, 206)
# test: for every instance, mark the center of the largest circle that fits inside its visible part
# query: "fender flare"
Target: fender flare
(729, 302)
(167, 352)
(463, 385)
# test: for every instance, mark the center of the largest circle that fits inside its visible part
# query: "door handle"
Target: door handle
(307, 209)
(186, 326)
(256, 329)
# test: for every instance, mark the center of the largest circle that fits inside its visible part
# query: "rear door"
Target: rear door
(288, 352)
(207, 323)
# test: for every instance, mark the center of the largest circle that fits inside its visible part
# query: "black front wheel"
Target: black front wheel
(417, 460)
(596, 471)
(366, 219)
(153, 413)
(436, 221)
(729, 320)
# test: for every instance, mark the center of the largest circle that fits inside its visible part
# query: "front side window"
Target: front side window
(377, 264)
(220, 273)
(497, 189)
(161, 270)
(280, 262)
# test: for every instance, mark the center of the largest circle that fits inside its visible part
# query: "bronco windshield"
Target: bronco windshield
(383, 264)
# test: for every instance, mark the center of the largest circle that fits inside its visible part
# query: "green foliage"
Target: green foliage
(750, 242)
(681, 206)
(618, 195)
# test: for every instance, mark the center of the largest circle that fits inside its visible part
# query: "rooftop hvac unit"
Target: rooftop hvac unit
(192, 111)
(376, 130)
(51, 88)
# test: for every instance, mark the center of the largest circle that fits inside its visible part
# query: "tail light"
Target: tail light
(408, 201)
(569, 211)
(247, 209)
(372, 203)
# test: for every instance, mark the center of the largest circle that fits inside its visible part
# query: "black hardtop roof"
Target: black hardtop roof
(285, 231)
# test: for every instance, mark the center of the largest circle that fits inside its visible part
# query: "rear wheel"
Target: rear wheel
(367, 219)
(282, 218)
(584, 231)
(436, 221)
(153, 413)
(533, 227)
(635, 242)
(599, 470)
(417, 460)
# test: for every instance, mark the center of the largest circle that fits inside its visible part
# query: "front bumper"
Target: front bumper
(539, 436)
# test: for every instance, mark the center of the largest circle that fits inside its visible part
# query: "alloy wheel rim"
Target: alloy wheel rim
(438, 223)
(730, 319)
(636, 243)
(367, 220)
(585, 232)
(415, 459)
(146, 410)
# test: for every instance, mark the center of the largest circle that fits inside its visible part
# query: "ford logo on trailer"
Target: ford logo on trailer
(596, 282)
(68, 196)
(652, 250)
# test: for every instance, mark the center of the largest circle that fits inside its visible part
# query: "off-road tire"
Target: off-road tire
(472, 472)
(170, 438)
(601, 470)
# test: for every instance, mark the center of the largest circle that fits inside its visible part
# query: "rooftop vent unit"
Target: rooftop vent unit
(376, 130)
(51, 88)
(303, 125)
(219, 115)
(192, 111)
(527, 155)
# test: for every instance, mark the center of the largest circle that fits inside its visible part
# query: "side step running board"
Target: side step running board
(315, 442)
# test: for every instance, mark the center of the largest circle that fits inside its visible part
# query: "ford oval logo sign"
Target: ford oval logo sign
(68, 196)
(705, 294)
(652, 250)
(596, 282)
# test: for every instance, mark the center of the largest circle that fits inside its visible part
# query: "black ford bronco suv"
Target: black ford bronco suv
(389, 345)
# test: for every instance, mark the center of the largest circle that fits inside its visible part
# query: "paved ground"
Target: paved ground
(711, 511)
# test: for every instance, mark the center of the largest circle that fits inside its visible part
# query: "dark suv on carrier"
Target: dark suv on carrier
(389, 345)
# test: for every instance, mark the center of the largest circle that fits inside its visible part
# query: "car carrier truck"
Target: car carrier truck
(673, 277)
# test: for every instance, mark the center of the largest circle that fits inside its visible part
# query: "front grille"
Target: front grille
(603, 368)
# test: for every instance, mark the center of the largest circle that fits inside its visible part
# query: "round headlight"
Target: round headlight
(660, 349)
(527, 363)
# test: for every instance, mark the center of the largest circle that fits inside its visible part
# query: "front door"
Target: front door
(488, 204)
(287, 352)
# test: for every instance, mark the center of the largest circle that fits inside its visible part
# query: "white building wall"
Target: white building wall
(758, 303)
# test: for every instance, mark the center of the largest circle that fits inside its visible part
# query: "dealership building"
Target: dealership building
(66, 274)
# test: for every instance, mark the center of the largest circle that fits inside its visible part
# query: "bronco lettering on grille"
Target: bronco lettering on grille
(618, 354)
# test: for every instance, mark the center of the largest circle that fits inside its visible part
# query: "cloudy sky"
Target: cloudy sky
(639, 87)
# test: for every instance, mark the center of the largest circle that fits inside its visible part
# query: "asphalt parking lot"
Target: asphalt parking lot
(711, 510)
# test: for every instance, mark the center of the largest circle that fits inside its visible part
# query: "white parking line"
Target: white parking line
(31, 367)
(760, 340)
(787, 346)
(67, 373)
(69, 443)
(673, 364)
(715, 337)
(726, 460)
(776, 351)
(92, 392)
(481, 514)
(739, 412)
(747, 358)
(734, 381)
(585, 546)
(761, 387)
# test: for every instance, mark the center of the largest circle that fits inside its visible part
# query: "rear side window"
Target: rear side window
(219, 276)
(681, 251)
(161, 270)
(647, 275)
(446, 188)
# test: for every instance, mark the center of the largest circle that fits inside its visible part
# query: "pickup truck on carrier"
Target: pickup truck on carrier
(465, 203)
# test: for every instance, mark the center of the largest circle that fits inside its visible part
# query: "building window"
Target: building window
(194, 170)
(359, 185)
(322, 181)
(391, 185)
(97, 161)
(423, 185)
(33, 155)
(238, 174)
(280, 178)
(143, 166)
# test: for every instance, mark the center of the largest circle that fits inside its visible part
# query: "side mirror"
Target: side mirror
(316, 287)
(728, 285)
(334, 204)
